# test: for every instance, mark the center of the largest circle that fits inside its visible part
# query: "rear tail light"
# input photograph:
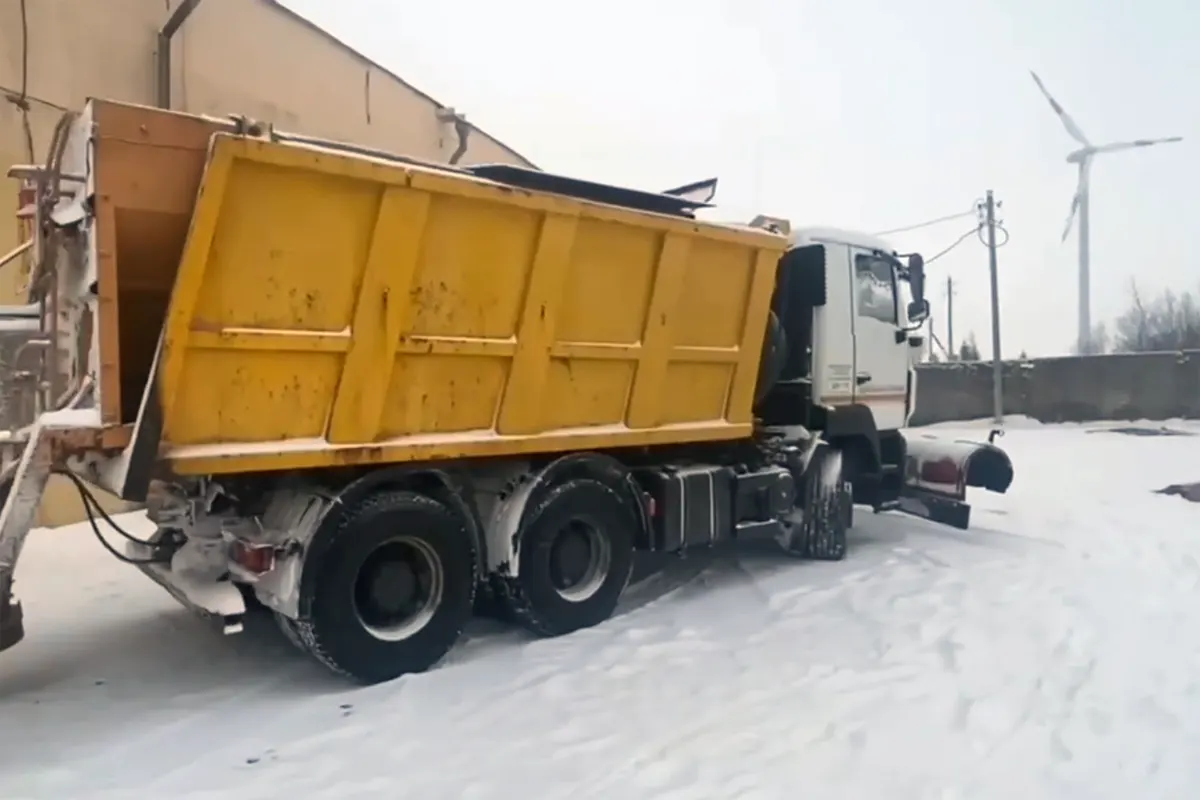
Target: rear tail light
(257, 559)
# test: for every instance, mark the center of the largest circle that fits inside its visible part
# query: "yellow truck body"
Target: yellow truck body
(333, 309)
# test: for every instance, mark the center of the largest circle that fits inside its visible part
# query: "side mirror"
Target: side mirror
(916, 279)
(918, 311)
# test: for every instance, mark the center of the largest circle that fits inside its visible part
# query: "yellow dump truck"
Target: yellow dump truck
(376, 395)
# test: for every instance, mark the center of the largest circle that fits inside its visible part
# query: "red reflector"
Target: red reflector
(651, 506)
(255, 558)
(944, 471)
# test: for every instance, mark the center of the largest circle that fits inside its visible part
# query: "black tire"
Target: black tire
(827, 511)
(287, 626)
(533, 599)
(396, 530)
(489, 606)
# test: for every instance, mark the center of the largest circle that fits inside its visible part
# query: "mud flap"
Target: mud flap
(937, 473)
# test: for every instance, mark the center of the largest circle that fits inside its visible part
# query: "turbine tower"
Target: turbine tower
(1079, 205)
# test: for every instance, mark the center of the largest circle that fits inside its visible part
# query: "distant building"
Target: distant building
(251, 57)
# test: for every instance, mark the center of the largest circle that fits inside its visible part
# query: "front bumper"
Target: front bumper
(937, 473)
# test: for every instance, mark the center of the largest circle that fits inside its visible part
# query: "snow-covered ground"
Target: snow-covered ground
(1051, 652)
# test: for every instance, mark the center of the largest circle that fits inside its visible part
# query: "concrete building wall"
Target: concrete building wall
(1067, 389)
(251, 57)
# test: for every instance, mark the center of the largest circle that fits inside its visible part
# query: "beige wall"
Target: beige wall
(250, 57)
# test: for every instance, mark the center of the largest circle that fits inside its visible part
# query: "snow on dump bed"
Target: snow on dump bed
(1051, 652)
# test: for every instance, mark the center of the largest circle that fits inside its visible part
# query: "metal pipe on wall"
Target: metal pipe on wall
(162, 81)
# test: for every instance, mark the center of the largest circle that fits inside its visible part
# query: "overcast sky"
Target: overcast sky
(863, 114)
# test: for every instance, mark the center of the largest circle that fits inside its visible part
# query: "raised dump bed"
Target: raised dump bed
(333, 308)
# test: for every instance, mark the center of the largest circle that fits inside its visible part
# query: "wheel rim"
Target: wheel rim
(580, 559)
(398, 588)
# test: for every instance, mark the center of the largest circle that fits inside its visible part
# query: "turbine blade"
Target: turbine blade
(1118, 146)
(1080, 188)
(1071, 216)
(1073, 130)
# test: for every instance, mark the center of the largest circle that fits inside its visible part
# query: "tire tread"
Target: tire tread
(308, 634)
(508, 591)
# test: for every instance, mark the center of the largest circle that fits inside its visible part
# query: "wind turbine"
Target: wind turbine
(1079, 205)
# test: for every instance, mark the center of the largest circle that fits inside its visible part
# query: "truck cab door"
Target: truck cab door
(832, 325)
(881, 348)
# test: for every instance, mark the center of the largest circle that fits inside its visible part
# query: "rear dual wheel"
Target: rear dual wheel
(575, 556)
(394, 589)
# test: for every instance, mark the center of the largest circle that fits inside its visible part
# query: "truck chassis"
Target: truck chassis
(375, 572)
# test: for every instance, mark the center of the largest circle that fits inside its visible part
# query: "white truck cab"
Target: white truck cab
(866, 335)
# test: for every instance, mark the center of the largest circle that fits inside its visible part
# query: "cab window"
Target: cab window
(875, 285)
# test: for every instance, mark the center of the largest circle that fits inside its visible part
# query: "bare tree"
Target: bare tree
(1169, 321)
(969, 349)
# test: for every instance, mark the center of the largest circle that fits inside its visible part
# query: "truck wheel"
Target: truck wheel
(848, 504)
(828, 506)
(287, 627)
(395, 589)
(576, 556)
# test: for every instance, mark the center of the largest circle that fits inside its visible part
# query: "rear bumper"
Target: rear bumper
(220, 601)
(937, 473)
(24, 474)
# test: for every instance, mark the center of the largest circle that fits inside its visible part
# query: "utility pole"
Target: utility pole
(997, 370)
(950, 316)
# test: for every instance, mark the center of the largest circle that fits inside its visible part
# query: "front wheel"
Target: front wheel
(394, 591)
(827, 510)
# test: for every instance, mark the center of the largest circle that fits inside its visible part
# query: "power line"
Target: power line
(974, 231)
(927, 223)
